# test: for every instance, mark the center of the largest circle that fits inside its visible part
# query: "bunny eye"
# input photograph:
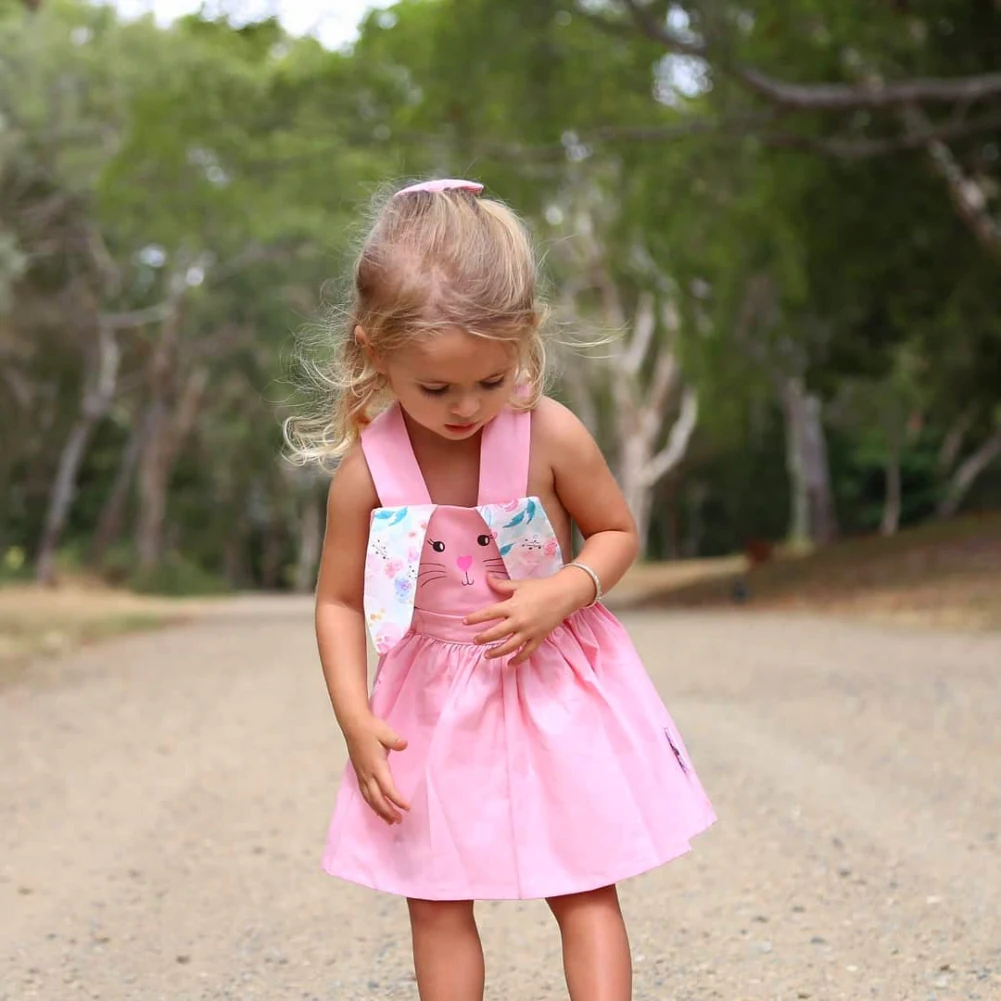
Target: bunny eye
(483, 540)
(438, 546)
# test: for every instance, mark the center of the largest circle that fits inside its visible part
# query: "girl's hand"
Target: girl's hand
(369, 742)
(532, 610)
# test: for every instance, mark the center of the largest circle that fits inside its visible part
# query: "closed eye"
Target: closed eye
(442, 390)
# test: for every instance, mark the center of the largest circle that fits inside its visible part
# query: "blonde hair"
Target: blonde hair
(432, 260)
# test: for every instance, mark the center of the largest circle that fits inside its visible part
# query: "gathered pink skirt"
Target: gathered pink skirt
(556, 776)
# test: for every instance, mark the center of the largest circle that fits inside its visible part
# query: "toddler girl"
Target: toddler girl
(513, 745)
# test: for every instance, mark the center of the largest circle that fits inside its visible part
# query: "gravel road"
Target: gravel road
(165, 797)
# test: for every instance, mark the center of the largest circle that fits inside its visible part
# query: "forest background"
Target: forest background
(789, 214)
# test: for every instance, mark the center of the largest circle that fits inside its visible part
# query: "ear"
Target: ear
(395, 542)
(362, 340)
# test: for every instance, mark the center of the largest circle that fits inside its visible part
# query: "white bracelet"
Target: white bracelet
(594, 577)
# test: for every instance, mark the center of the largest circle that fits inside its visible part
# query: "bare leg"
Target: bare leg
(448, 957)
(595, 946)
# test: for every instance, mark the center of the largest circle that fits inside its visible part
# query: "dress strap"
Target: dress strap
(504, 455)
(391, 461)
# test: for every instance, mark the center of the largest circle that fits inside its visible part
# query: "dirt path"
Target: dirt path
(164, 799)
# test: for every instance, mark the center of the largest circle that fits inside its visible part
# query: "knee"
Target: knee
(440, 915)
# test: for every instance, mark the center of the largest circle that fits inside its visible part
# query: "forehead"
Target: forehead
(454, 356)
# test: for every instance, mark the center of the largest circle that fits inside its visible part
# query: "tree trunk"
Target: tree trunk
(695, 501)
(640, 468)
(967, 473)
(235, 563)
(952, 444)
(637, 494)
(273, 546)
(112, 517)
(641, 416)
(61, 497)
(812, 517)
(166, 435)
(98, 391)
(310, 542)
(892, 499)
(968, 196)
(152, 485)
(641, 371)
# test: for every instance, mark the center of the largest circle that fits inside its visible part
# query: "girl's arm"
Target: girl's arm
(340, 621)
(587, 490)
(340, 633)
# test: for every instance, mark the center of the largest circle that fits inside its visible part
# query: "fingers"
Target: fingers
(502, 585)
(486, 614)
(373, 796)
(388, 788)
(526, 651)
(381, 794)
(500, 610)
(375, 780)
(507, 648)
(390, 740)
(498, 632)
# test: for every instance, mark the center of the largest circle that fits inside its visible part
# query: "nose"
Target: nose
(467, 407)
(464, 563)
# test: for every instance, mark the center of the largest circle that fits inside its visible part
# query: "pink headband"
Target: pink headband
(443, 184)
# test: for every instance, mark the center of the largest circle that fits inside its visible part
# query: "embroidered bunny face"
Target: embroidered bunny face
(438, 559)
(460, 552)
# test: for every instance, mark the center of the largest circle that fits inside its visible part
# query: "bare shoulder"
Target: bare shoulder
(582, 481)
(560, 432)
(352, 490)
(350, 502)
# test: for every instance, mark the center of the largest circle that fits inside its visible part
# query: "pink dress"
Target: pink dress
(556, 776)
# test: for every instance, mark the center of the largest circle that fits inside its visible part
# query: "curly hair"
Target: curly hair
(432, 260)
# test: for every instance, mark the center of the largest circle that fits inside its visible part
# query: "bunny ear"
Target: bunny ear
(443, 184)
(522, 533)
(390, 574)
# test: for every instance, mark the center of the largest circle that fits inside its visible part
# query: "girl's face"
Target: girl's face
(453, 382)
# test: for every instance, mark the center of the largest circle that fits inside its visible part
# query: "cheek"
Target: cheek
(493, 403)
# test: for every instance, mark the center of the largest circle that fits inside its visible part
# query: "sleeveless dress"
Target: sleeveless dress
(561, 774)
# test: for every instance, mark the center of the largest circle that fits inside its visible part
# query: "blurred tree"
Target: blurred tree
(788, 216)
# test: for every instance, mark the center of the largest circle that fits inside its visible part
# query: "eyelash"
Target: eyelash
(444, 389)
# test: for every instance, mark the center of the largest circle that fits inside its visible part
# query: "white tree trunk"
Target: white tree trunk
(167, 432)
(640, 370)
(971, 201)
(952, 444)
(812, 517)
(633, 459)
(967, 473)
(112, 517)
(98, 391)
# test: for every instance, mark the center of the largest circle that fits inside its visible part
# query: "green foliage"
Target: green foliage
(232, 166)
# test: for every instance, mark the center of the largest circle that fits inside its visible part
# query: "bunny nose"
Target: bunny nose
(464, 563)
